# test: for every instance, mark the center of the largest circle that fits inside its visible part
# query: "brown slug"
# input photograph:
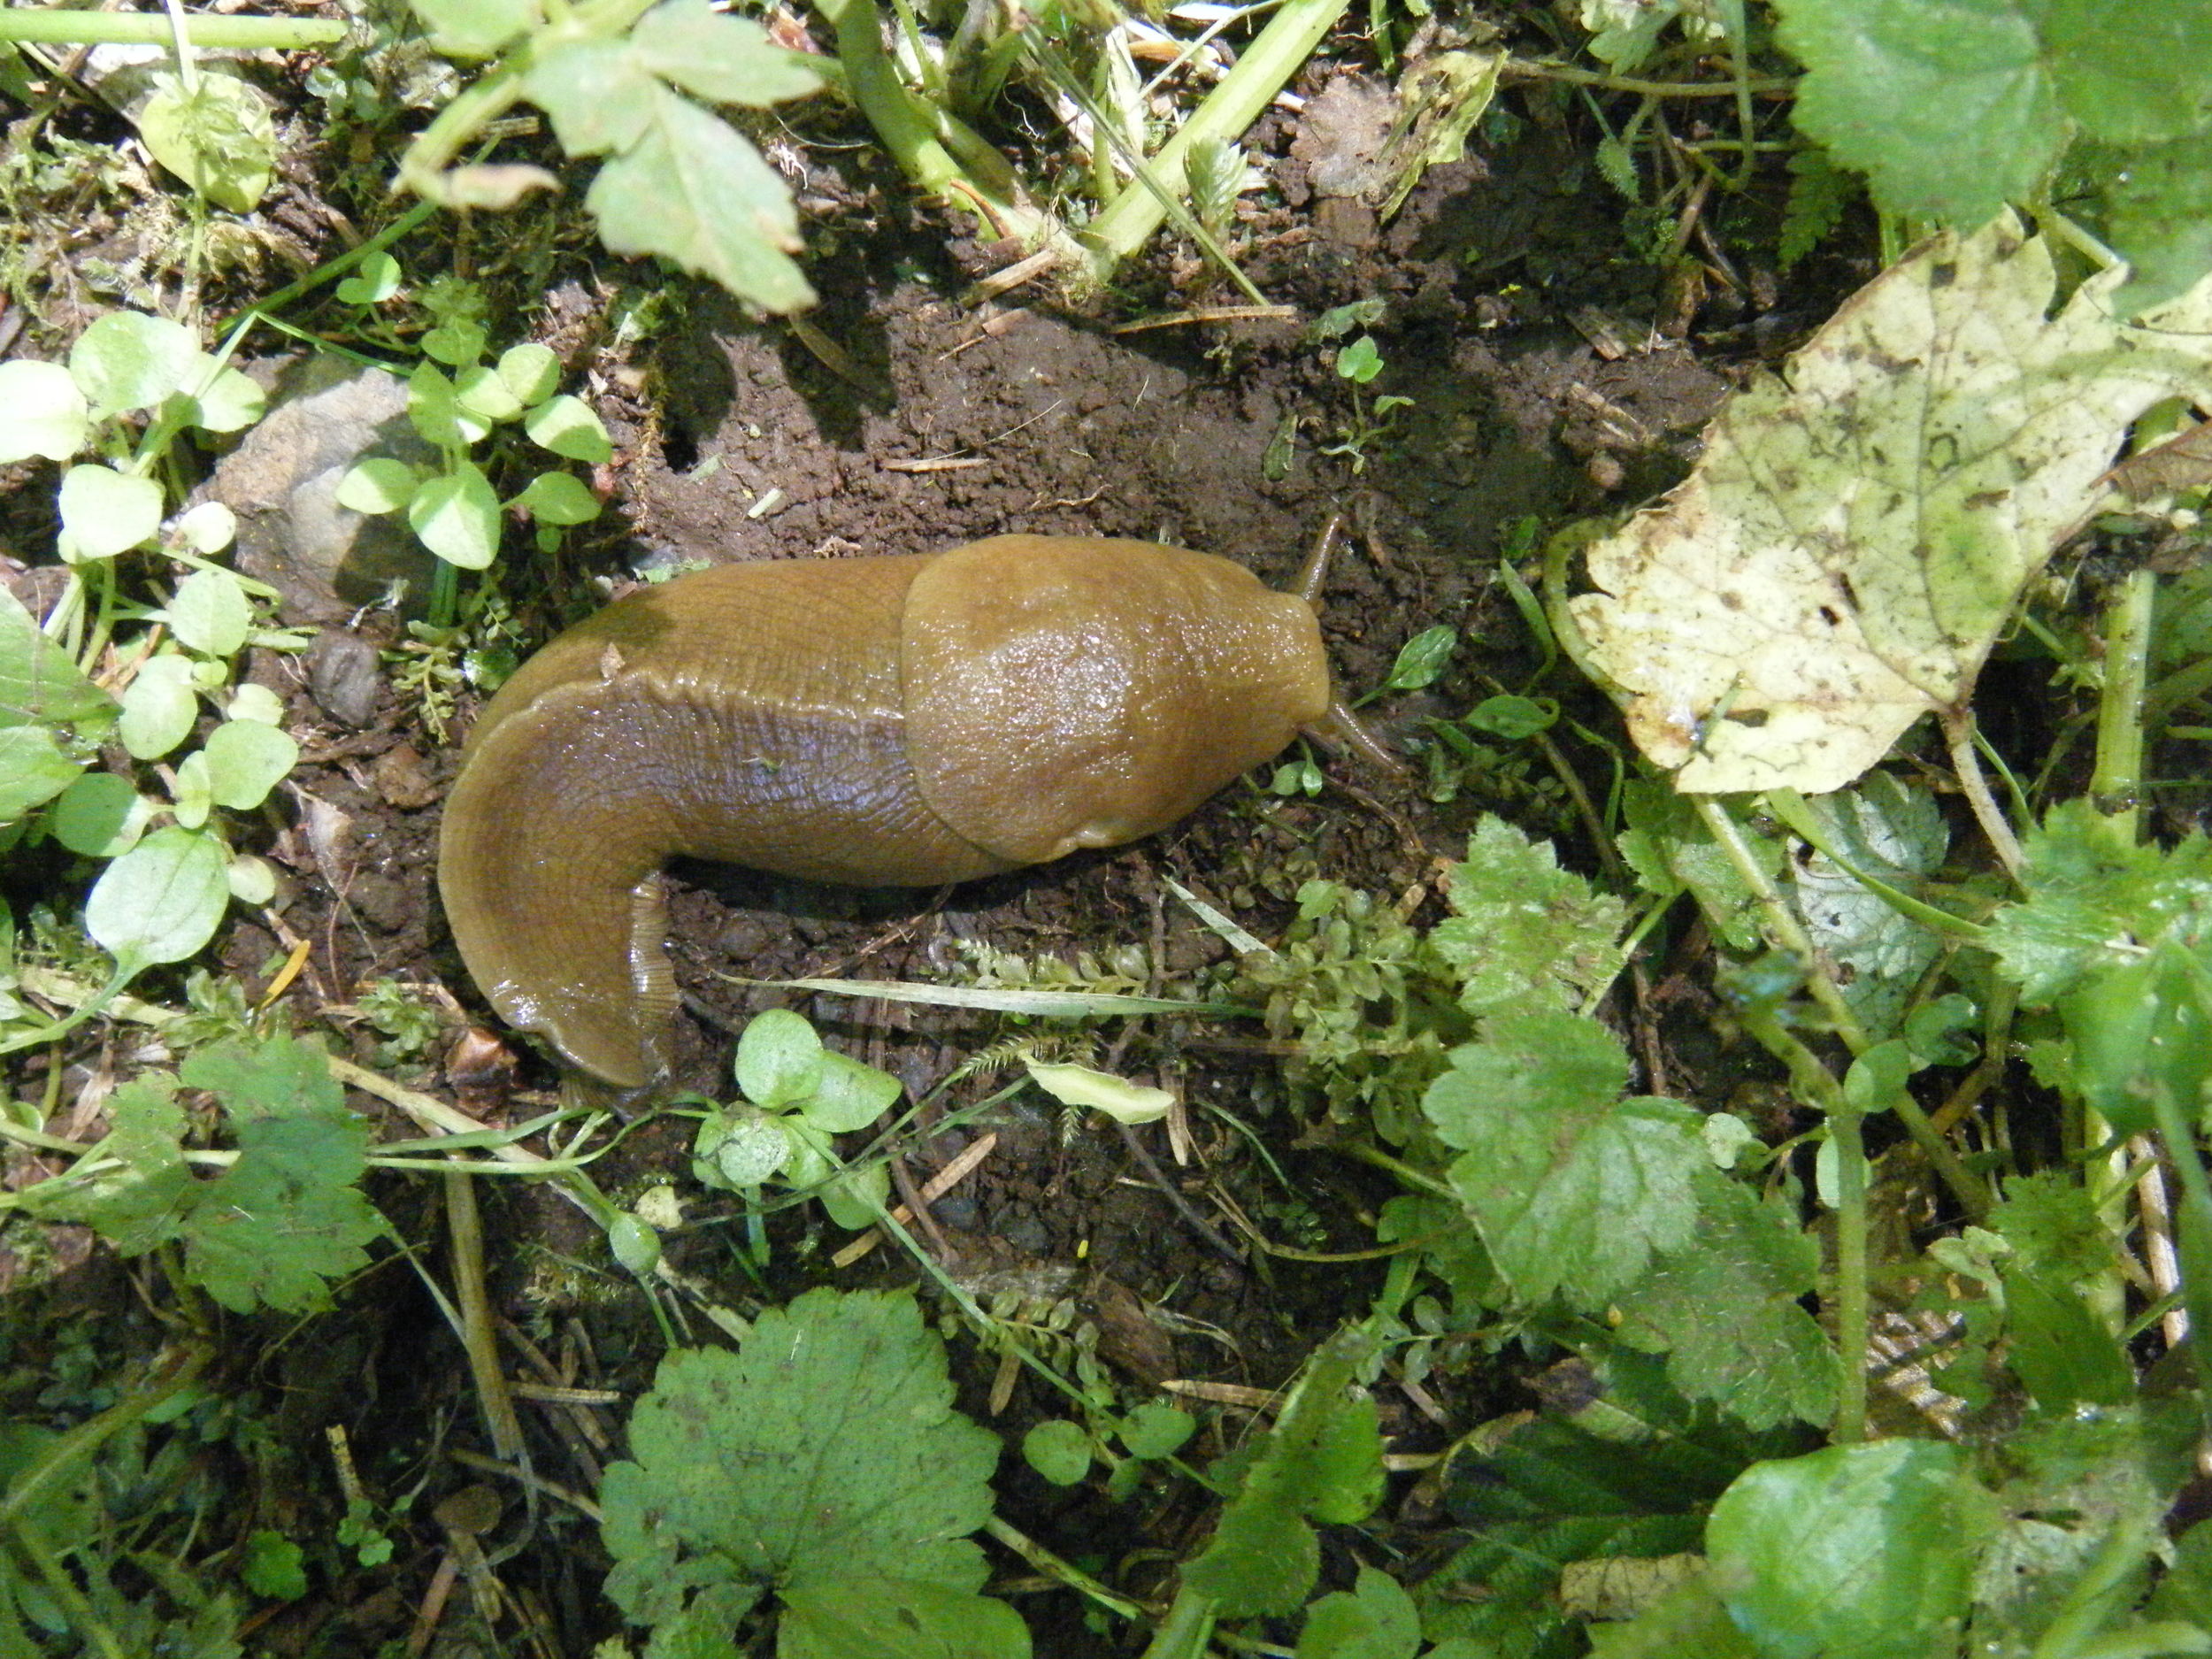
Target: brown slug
(886, 721)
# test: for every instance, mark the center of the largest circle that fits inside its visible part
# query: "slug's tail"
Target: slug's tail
(547, 864)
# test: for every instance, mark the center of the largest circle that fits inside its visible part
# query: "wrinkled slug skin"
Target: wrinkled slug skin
(893, 721)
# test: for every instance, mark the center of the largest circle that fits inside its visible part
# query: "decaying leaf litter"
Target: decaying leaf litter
(734, 437)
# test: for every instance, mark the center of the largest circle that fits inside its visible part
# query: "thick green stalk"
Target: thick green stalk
(1264, 69)
(2116, 786)
(61, 27)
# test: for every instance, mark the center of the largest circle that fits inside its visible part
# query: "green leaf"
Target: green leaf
(1156, 1429)
(480, 389)
(375, 279)
(567, 426)
(456, 516)
(245, 760)
(160, 707)
(42, 412)
(1119, 1099)
(1525, 934)
(1510, 718)
(557, 498)
(129, 360)
(738, 1148)
(274, 1566)
(270, 1076)
(530, 372)
(219, 137)
(720, 57)
(195, 798)
(1422, 658)
(1727, 1311)
(231, 402)
(211, 612)
(100, 815)
(2158, 203)
(105, 512)
(1949, 109)
(697, 193)
(1572, 1187)
(1360, 362)
(1376, 1620)
(1894, 832)
(2065, 1357)
(848, 1095)
(896, 1618)
(456, 342)
(475, 29)
(823, 1452)
(379, 484)
(33, 769)
(143, 1187)
(1670, 849)
(160, 901)
(1058, 1450)
(598, 98)
(433, 412)
(1856, 1552)
(1323, 1459)
(2148, 81)
(779, 1059)
(41, 683)
(274, 1228)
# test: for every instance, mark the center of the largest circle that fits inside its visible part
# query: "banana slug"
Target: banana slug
(902, 720)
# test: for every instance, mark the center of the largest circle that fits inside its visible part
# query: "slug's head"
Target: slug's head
(1063, 692)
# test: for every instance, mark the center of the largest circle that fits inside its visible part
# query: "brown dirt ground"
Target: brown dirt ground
(1024, 416)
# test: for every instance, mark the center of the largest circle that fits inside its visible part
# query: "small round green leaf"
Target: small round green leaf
(217, 136)
(1059, 1450)
(194, 790)
(33, 769)
(455, 342)
(231, 402)
(557, 498)
(634, 1243)
(245, 760)
(103, 513)
(567, 426)
(379, 484)
(848, 1095)
(779, 1059)
(530, 372)
(1156, 1429)
(251, 702)
(738, 1148)
(253, 881)
(208, 528)
(1360, 362)
(457, 516)
(159, 706)
(100, 815)
(855, 1199)
(42, 412)
(160, 901)
(211, 612)
(479, 389)
(129, 360)
(375, 279)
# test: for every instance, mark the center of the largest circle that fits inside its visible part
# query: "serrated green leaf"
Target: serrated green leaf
(1570, 1188)
(140, 1186)
(1727, 1311)
(211, 612)
(42, 412)
(893, 1618)
(33, 769)
(269, 1077)
(1525, 934)
(1672, 850)
(456, 516)
(695, 192)
(826, 1451)
(2065, 1357)
(129, 360)
(245, 760)
(475, 29)
(160, 707)
(722, 58)
(1948, 109)
(1322, 1460)
(103, 513)
(567, 426)
(2148, 81)
(283, 1221)
(1856, 1552)
(1375, 1620)
(160, 901)
(217, 136)
(1894, 832)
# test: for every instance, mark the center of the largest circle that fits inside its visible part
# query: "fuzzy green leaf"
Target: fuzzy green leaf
(1947, 108)
(1525, 934)
(722, 58)
(694, 192)
(892, 1618)
(1856, 1552)
(1323, 1460)
(823, 1455)
(597, 96)
(1376, 1620)
(1570, 1188)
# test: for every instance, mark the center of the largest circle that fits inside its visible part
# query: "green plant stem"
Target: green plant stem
(1790, 807)
(53, 1572)
(1530, 69)
(1264, 70)
(1184, 1631)
(80, 1443)
(478, 1333)
(2116, 786)
(58, 26)
(1782, 924)
(1844, 1126)
(1420, 1181)
(423, 168)
(1051, 1565)
(2192, 1228)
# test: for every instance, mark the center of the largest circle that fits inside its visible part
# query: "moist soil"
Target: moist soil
(1552, 374)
